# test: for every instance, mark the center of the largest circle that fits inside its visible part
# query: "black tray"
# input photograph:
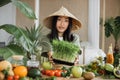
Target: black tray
(58, 61)
(63, 62)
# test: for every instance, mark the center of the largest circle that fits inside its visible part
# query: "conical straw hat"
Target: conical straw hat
(62, 12)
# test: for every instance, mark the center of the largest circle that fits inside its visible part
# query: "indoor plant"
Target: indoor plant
(24, 40)
(112, 27)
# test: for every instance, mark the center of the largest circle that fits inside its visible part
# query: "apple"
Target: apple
(76, 71)
(47, 65)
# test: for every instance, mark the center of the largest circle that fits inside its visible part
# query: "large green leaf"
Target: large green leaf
(19, 34)
(12, 29)
(108, 27)
(112, 27)
(24, 8)
(117, 28)
(10, 50)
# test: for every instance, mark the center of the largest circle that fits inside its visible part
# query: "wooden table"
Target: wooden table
(96, 78)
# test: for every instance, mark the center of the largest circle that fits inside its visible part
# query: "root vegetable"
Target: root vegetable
(88, 75)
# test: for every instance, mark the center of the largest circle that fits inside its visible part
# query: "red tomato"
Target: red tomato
(58, 70)
(52, 73)
(9, 77)
(16, 77)
(55, 70)
(47, 72)
(43, 71)
(58, 73)
(101, 72)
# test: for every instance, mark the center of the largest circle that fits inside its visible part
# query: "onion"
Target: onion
(88, 75)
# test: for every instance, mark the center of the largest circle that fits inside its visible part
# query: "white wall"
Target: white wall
(7, 16)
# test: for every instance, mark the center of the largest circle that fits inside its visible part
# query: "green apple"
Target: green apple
(76, 71)
(46, 65)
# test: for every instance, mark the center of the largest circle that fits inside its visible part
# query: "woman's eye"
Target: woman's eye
(58, 19)
(66, 20)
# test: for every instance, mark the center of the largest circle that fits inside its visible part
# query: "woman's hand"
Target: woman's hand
(50, 53)
(76, 62)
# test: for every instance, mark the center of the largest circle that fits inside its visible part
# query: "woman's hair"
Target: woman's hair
(67, 36)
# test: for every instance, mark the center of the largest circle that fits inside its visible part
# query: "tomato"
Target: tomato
(101, 72)
(52, 73)
(9, 77)
(16, 77)
(57, 70)
(58, 73)
(43, 71)
(47, 72)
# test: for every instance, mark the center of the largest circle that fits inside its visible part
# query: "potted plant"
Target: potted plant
(112, 27)
(25, 41)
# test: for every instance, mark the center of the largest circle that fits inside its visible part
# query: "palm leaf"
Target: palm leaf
(24, 8)
(34, 33)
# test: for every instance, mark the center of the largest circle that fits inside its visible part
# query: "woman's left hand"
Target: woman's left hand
(76, 62)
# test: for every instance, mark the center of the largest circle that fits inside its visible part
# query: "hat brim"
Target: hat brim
(76, 24)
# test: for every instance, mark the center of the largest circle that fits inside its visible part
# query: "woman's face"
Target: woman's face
(62, 24)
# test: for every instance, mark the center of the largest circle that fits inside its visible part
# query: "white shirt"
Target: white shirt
(60, 38)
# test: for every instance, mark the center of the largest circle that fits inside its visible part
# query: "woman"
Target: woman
(62, 23)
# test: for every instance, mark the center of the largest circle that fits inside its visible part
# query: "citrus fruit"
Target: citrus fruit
(34, 72)
(21, 71)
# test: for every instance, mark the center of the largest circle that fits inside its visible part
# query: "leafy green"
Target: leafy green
(65, 50)
(66, 71)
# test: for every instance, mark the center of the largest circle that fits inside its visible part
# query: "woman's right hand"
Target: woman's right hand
(50, 57)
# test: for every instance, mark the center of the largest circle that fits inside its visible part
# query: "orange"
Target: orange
(21, 71)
